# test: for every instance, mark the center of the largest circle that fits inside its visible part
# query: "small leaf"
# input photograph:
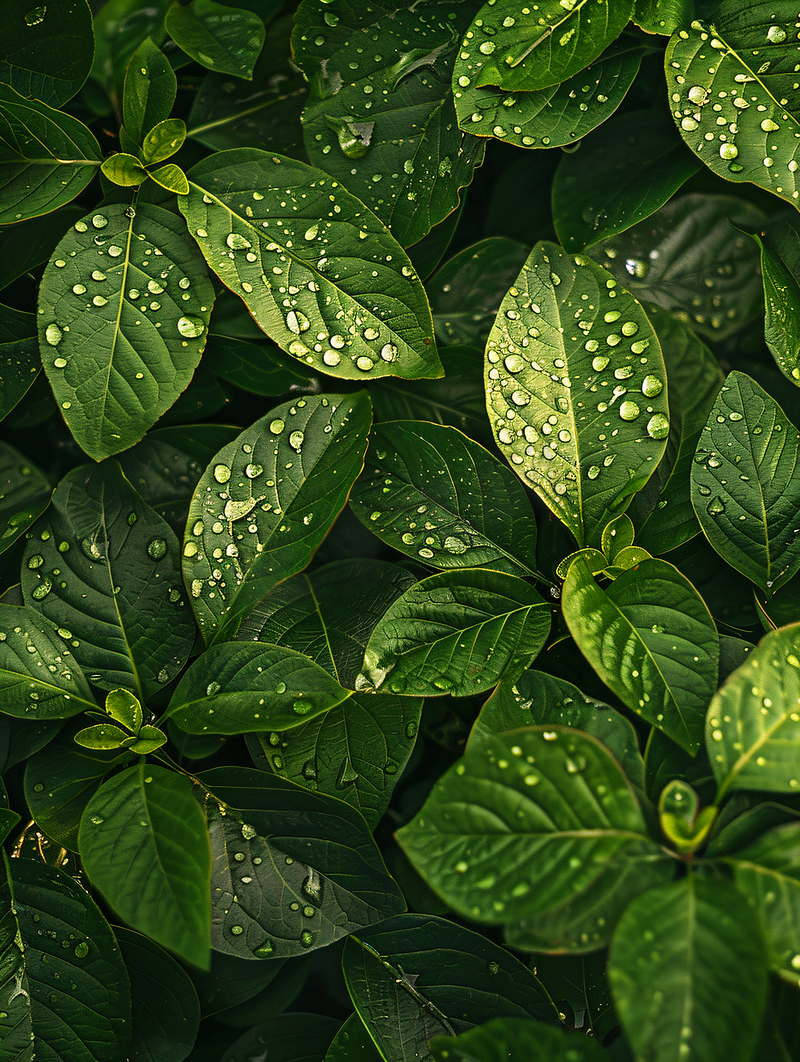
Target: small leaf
(144, 844)
(746, 483)
(150, 90)
(164, 140)
(46, 50)
(353, 315)
(172, 178)
(124, 170)
(515, 1039)
(780, 268)
(124, 708)
(456, 632)
(217, 36)
(102, 736)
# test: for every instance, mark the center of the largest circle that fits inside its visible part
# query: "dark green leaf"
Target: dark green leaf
(780, 268)
(29, 244)
(150, 90)
(19, 356)
(650, 637)
(516, 1040)
(294, 1037)
(144, 844)
(232, 981)
(260, 368)
(124, 308)
(352, 1043)
(24, 495)
(666, 16)
(119, 28)
(46, 50)
(218, 36)
(352, 316)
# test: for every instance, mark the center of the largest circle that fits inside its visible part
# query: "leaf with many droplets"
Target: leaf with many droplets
(239, 687)
(46, 157)
(24, 495)
(622, 174)
(144, 844)
(780, 268)
(218, 36)
(19, 356)
(501, 1039)
(688, 970)
(39, 677)
(528, 823)
(575, 389)
(733, 91)
(651, 639)
(529, 48)
(104, 568)
(687, 259)
(449, 502)
(455, 633)
(746, 483)
(318, 271)
(380, 116)
(46, 51)
(265, 503)
(124, 306)
(753, 725)
(292, 870)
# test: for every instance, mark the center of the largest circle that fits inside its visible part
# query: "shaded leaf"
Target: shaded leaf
(218, 36)
(150, 90)
(260, 368)
(47, 50)
(780, 268)
(294, 1037)
(352, 1043)
(28, 244)
(24, 495)
(19, 356)
(516, 1040)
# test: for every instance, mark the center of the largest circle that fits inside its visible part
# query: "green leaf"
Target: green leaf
(767, 872)
(27, 245)
(428, 976)
(352, 1043)
(293, 1037)
(150, 90)
(537, 698)
(64, 977)
(218, 36)
(584, 458)
(172, 178)
(380, 115)
(749, 54)
(119, 28)
(537, 827)
(219, 694)
(538, 46)
(746, 483)
(101, 736)
(516, 1040)
(24, 495)
(124, 170)
(352, 316)
(456, 632)
(666, 16)
(687, 260)
(164, 140)
(753, 726)
(622, 174)
(124, 306)
(449, 502)
(165, 1011)
(46, 157)
(315, 871)
(650, 637)
(144, 844)
(47, 50)
(304, 456)
(124, 708)
(104, 569)
(688, 970)
(260, 368)
(780, 268)
(555, 116)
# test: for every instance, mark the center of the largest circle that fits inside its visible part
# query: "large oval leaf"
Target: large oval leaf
(46, 51)
(575, 389)
(123, 310)
(746, 483)
(288, 240)
(265, 503)
(650, 637)
(218, 36)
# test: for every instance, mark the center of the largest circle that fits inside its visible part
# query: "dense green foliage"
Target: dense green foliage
(400, 603)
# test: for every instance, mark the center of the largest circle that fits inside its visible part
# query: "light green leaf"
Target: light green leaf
(749, 53)
(555, 116)
(622, 174)
(266, 501)
(144, 844)
(746, 483)
(650, 637)
(352, 316)
(102, 736)
(516, 1040)
(580, 411)
(150, 90)
(124, 306)
(172, 178)
(124, 170)
(46, 157)
(538, 46)
(456, 632)
(753, 726)
(46, 50)
(164, 140)
(666, 16)
(687, 259)
(537, 827)
(380, 114)
(449, 503)
(104, 569)
(688, 972)
(218, 36)
(24, 495)
(780, 268)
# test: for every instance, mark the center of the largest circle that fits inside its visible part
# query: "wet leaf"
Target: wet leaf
(358, 311)
(124, 170)
(150, 90)
(162, 141)
(580, 411)
(47, 49)
(218, 36)
(25, 494)
(780, 268)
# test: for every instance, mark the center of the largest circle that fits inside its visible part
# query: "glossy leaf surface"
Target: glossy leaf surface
(218, 36)
(780, 268)
(19, 356)
(150, 90)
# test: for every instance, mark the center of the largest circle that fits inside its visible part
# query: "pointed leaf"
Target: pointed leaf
(218, 36)
(102, 736)
(150, 90)
(359, 312)
(352, 1041)
(780, 268)
(265, 503)
(516, 1040)
(746, 483)
(24, 495)
(172, 178)
(650, 637)
(46, 50)
(19, 356)
(144, 844)
(580, 411)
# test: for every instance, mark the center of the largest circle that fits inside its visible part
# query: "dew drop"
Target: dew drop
(237, 242)
(651, 386)
(776, 34)
(157, 548)
(628, 410)
(296, 440)
(658, 426)
(52, 335)
(728, 151)
(191, 327)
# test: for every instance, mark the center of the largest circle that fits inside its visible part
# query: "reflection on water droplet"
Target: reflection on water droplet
(296, 440)
(297, 322)
(728, 151)
(222, 473)
(658, 426)
(237, 242)
(651, 386)
(157, 548)
(52, 335)
(191, 327)
(81, 949)
(776, 34)
(277, 426)
(628, 410)
(716, 506)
